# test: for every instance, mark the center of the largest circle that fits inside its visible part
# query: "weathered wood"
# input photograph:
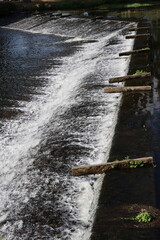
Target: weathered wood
(146, 35)
(139, 28)
(87, 40)
(145, 76)
(126, 89)
(102, 168)
(143, 50)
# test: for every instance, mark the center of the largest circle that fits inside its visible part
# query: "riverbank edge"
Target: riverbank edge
(8, 8)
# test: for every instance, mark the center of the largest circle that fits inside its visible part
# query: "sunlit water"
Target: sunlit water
(54, 115)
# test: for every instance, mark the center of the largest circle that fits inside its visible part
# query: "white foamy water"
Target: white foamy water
(70, 112)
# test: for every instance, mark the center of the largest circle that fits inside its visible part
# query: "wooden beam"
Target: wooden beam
(146, 35)
(139, 28)
(145, 76)
(127, 89)
(87, 40)
(102, 168)
(143, 50)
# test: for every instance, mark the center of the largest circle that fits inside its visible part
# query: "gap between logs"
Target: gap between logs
(102, 168)
(126, 89)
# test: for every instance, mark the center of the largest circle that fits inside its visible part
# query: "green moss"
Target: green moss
(135, 5)
(118, 4)
(139, 72)
(143, 217)
(135, 164)
(126, 158)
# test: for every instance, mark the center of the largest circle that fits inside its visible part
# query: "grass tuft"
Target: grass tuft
(143, 217)
(138, 72)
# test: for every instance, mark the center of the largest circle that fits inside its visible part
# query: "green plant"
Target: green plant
(144, 217)
(122, 4)
(139, 72)
(126, 158)
(116, 160)
(135, 164)
(147, 48)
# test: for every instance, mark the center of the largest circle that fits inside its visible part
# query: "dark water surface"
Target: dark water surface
(137, 134)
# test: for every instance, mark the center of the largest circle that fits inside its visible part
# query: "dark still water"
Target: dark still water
(151, 17)
(55, 115)
(126, 193)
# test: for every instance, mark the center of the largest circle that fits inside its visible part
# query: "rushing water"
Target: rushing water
(54, 115)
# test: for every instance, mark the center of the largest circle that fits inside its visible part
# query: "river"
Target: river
(54, 115)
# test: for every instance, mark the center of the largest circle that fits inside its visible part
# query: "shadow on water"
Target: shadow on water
(124, 194)
(156, 102)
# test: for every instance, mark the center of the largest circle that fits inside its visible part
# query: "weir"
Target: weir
(54, 115)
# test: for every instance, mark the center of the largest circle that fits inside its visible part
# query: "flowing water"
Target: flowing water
(54, 115)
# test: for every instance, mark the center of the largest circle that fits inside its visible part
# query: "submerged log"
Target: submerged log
(126, 89)
(143, 50)
(145, 76)
(87, 41)
(139, 28)
(102, 168)
(146, 35)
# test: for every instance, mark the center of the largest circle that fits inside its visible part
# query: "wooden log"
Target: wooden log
(127, 89)
(139, 28)
(143, 50)
(146, 35)
(145, 76)
(102, 168)
(88, 41)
